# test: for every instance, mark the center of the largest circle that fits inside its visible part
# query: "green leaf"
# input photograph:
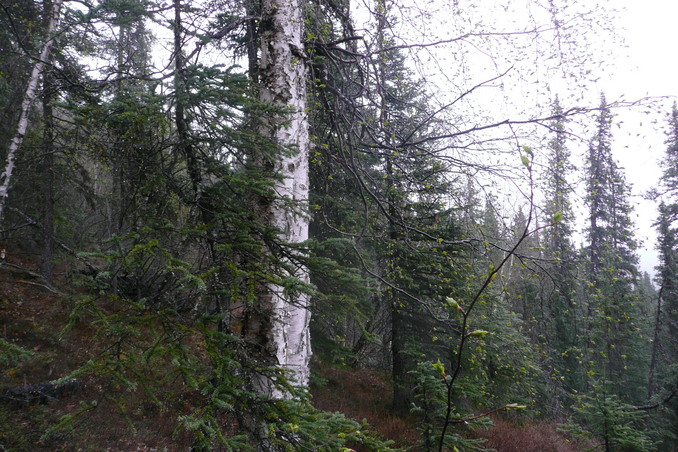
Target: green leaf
(451, 302)
(515, 406)
(438, 366)
(479, 333)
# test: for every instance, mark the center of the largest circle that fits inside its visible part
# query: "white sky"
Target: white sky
(646, 68)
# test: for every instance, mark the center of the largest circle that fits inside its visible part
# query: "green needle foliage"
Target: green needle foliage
(146, 166)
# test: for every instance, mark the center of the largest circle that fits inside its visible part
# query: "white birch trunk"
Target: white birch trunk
(29, 98)
(283, 84)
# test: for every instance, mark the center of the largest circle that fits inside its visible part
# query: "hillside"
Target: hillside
(96, 412)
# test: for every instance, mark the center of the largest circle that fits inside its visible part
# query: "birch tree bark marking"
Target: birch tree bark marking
(29, 98)
(283, 84)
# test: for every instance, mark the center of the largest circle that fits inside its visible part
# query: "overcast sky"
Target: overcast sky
(644, 68)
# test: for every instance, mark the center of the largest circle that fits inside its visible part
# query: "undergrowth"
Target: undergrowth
(150, 380)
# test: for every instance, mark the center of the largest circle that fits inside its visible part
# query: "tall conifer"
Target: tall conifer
(560, 278)
(612, 304)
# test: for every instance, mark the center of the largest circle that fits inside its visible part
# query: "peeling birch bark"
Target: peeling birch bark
(29, 98)
(283, 84)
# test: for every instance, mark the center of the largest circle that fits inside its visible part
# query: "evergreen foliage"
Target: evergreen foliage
(157, 179)
(612, 315)
(617, 425)
(662, 371)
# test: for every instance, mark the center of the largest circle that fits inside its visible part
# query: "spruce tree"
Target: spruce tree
(615, 347)
(663, 372)
(559, 276)
(667, 246)
(389, 195)
(612, 304)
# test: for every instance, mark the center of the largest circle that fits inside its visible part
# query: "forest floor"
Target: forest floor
(32, 316)
(363, 394)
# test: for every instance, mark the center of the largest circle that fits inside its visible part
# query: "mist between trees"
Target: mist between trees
(233, 195)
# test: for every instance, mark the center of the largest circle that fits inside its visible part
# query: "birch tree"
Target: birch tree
(282, 71)
(29, 98)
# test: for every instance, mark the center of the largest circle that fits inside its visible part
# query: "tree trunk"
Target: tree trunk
(282, 71)
(184, 143)
(29, 98)
(48, 187)
(402, 390)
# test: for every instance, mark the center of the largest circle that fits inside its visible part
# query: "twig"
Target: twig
(511, 406)
(44, 286)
